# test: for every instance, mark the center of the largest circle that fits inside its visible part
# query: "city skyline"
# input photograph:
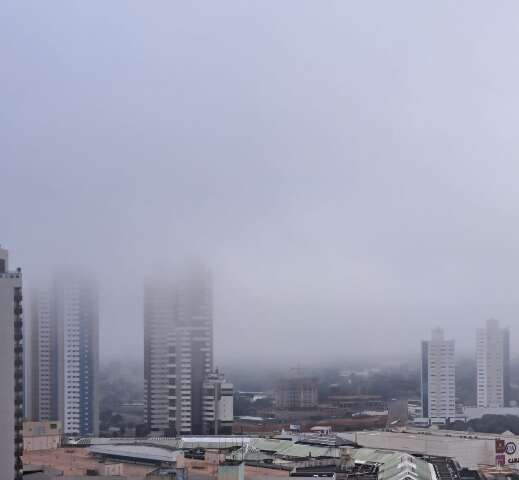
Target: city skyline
(465, 351)
(337, 174)
(259, 240)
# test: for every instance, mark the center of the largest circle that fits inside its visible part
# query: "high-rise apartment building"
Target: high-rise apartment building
(178, 351)
(44, 348)
(506, 367)
(65, 354)
(438, 377)
(11, 370)
(493, 365)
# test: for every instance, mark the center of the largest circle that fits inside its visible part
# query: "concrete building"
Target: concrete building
(438, 377)
(296, 393)
(11, 370)
(506, 367)
(231, 470)
(493, 365)
(358, 403)
(218, 397)
(178, 351)
(43, 435)
(65, 354)
(159, 315)
(44, 348)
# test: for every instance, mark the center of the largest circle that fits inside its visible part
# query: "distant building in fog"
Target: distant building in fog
(44, 343)
(65, 354)
(11, 370)
(493, 365)
(218, 397)
(438, 377)
(296, 393)
(358, 403)
(506, 367)
(178, 351)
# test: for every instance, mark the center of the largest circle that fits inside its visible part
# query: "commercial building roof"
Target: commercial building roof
(468, 449)
(213, 442)
(401, 466)
(141, 452)
(299, 450)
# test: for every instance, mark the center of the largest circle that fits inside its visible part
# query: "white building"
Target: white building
(218, 397)
(438, 377)
(65, 354)
(492, 360)
(11, 370)
(178, 351)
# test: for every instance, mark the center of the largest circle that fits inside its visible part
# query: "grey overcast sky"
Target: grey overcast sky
(348, 169)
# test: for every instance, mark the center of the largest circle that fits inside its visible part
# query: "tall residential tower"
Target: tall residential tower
(178, 351)
(493, 365)
(11, 370)
(65, 354)
(438, 377)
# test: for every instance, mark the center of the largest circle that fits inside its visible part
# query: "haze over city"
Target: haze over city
(345, 169)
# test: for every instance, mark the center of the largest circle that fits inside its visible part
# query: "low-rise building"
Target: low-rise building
(45, 435)
(217, 412)
(469, 449)
(358, 403)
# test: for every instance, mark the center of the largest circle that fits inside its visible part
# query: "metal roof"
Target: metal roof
(299, 450)
(394, 465)
(136, 451)
(173, 442)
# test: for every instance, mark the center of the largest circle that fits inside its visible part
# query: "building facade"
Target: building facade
(218, 399)
(178, 351)
(506, 367)
(44, 346)
(438, 377)
(493, 365)
(159, 314)
(65, 354)
(43, 435)
(11, 370)
(296, 393)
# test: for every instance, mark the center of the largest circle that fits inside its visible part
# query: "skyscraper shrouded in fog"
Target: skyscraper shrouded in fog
(438, 377)
(65, 354)
(493, 365)
(178, 351)
(11, 370)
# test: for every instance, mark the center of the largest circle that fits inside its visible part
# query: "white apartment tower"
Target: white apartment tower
(178, 351)
(438, 377)
(65, 348)
(11, 370)
(492, 354)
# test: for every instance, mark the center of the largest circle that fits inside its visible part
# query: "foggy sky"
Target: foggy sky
(349, 170)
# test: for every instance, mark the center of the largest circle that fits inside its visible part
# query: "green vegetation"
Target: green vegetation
(489, 424)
